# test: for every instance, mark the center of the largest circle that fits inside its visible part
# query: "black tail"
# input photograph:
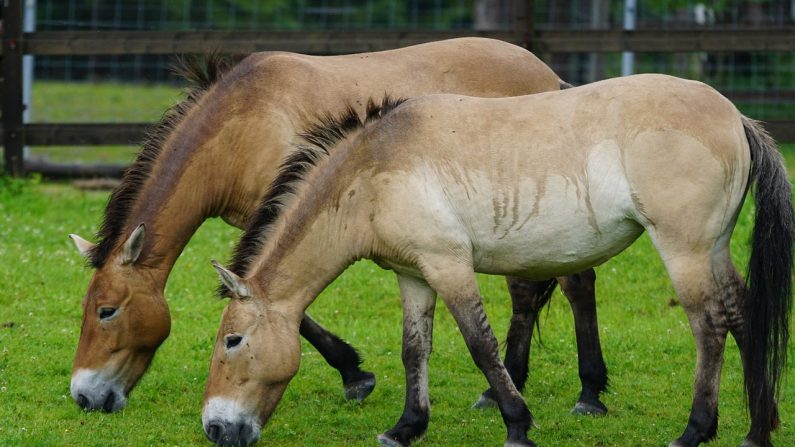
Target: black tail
(769, 281)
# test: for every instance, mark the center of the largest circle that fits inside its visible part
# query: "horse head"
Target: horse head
(125, 319)
(257, 352)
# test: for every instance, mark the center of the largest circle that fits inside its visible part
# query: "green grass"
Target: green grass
(646, 341)
(75, 102)
(70, 102)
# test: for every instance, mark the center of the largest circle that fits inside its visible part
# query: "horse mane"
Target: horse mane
(201, 73)
(320, 138)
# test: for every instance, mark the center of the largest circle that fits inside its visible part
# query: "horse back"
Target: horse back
(468, 66)
(565, 179)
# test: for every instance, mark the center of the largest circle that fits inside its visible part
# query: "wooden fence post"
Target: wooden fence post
(524, 23)
(13, 127)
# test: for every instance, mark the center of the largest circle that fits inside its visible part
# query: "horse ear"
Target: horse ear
(133, 246)
(234, 283)
(83, 246)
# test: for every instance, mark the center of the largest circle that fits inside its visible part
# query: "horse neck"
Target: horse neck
(323, 231)
(200, 175)
(172, 206)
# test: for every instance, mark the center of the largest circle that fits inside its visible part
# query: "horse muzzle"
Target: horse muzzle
(91, 391)
(225, 433)
(226, 425)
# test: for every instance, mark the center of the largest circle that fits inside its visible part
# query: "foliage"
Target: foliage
(253, 14)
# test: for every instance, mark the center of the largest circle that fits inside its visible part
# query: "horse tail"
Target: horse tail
(769, 280)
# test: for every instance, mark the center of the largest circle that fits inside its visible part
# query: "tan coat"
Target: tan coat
(536, 186)
(216, 156)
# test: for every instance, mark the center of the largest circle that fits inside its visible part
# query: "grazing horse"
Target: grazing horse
(538, 186)
(184, 175)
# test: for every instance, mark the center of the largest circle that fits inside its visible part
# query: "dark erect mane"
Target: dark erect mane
(201, 74)
(322, 137)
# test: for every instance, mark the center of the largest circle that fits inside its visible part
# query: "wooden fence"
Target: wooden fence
(15, 134)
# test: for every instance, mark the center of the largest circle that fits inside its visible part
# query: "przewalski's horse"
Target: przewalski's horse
(215, 155)
(582, 173)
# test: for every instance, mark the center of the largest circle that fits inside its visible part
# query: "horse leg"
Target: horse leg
(527, 298)
(579, 289)
(457, 286)
(694, 278)
(702, 425)
(419, 302)
(468, 313)
(358, 384)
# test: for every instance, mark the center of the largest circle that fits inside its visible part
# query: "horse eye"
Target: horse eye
(106, 313)
(232, 340)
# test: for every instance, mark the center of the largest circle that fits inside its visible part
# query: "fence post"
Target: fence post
(524, 22)
(13, 127)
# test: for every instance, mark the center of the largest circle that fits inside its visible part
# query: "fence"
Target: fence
(517, 25)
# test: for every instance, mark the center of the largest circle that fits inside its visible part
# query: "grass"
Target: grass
(70, 102)
(646, 341)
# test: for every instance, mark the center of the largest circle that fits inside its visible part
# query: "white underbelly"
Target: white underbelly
(521, 219)
(538, 253)
(551, 225)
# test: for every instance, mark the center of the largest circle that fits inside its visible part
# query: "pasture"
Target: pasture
(645, 338)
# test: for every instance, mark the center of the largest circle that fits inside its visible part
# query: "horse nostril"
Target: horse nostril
(82, 401)
(215, 432)
(108, 405)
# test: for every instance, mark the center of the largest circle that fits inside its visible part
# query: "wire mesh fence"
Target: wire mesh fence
(140, 87)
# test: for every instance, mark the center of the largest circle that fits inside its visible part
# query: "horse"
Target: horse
(443, 186)
(184, 175)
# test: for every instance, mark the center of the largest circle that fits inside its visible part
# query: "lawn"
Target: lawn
(70, 102)
(646, 341)
(645, 338)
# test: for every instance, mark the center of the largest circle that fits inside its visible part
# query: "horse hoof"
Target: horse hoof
(360, 389)
(484, 402)
(589, 409)
(386, 441)
(748, 443)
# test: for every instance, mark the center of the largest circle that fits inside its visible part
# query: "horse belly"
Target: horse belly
(555, 225)
(542, 251)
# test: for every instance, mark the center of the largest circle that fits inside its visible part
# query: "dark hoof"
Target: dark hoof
(589, 409)
(386, 441)
(360, 389)
(484, 402)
